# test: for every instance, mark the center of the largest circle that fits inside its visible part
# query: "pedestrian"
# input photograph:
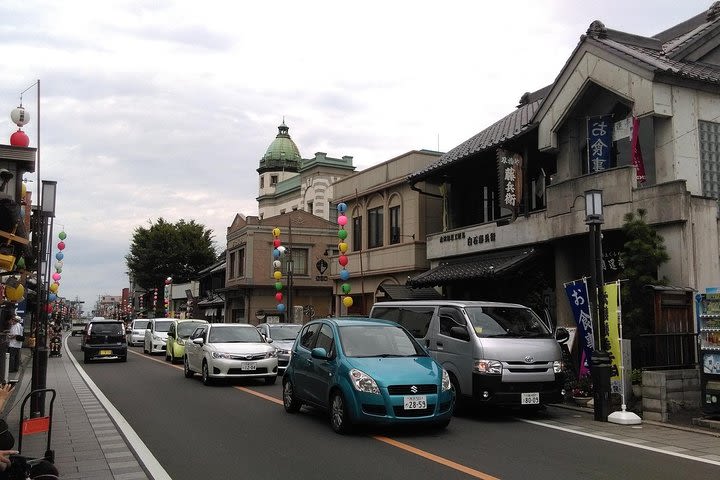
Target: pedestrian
(16, 340)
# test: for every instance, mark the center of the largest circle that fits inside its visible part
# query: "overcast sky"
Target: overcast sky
(163, 108)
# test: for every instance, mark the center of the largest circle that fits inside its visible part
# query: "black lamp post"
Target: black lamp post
(600, 365)
(45, 212)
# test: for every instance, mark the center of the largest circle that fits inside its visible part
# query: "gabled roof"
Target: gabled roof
(509, 127)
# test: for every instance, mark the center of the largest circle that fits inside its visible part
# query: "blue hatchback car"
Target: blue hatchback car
(366, 371)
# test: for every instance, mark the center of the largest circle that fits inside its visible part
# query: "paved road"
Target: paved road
(240, 430)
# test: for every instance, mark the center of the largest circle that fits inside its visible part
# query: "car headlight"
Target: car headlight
(490, 367)
(220, 355)
(282, 351)
(446, 385)
(363, 382)
(155, 337)
(557, 366)
(271, 354)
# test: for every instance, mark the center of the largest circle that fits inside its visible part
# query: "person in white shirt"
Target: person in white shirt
(16, 338)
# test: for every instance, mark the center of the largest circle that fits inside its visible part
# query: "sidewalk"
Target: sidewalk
(88, 443)
(86, 440)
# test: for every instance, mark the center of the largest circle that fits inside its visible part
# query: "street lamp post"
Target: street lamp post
(600, 365)
(45, 211)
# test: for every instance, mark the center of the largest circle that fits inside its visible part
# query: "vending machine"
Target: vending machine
(708, 317)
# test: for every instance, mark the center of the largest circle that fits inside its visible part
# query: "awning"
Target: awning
(487, 265)
(405, 292)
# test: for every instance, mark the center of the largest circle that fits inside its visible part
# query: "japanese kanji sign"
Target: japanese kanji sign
(577, 293)
(599, 136)
(509, 179)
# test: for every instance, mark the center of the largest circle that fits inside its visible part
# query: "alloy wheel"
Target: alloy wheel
(205, 374)
(338, 414)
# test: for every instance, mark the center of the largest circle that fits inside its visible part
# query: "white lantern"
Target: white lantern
(19, 116)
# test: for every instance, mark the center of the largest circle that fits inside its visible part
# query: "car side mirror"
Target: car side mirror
(460, 333)
(562, 335)
(269, 340)
(320, 353)
(198, 341)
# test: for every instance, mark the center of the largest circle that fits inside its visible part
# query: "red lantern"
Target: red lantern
(19, 139)
(343, 260)
(276, 242)
(278, 296)
(48, 308)
(61, 245)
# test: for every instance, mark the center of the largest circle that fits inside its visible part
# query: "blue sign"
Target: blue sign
(577, 294)
(599, 132)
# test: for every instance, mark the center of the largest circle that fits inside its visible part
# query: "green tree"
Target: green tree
(643, 253)
(178, 250)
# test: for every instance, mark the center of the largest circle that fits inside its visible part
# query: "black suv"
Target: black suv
(104, 339)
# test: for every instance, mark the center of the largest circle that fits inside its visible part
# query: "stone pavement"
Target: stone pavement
(91, 440)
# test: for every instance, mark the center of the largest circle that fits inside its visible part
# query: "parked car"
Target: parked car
(283, 336)
(156, 335)
(78, 326)
(104, 339)
(229, 350)
(495, 353)
(177, 335)
(136, 331)
(366, 371)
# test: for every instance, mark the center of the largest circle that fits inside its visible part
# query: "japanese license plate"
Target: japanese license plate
(105, 352)
(532, 398)
(248, 366)
(415, 402)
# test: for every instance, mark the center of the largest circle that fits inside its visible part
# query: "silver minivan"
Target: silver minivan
(495, 353)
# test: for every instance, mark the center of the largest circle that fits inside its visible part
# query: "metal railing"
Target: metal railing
(665, 351)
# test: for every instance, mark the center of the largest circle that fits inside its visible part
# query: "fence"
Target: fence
(665, 351)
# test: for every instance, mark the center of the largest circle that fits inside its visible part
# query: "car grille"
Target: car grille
(374, 409)
(406, 389)
(401, 412)
(238, 371)
(247, 356)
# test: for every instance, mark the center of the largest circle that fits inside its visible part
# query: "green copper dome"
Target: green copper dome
(282, 154)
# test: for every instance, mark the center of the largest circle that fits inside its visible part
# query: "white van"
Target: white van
(495, 353)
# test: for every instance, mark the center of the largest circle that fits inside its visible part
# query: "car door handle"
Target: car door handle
(439, 344)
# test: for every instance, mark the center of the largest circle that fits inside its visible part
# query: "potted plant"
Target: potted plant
(582, 390)
(636, 380)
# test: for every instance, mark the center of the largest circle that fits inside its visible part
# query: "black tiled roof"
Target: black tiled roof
(404, 292)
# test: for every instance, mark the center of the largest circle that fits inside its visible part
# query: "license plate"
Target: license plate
(415, 402)
(105, 352)
(248, 366)
(530, 398)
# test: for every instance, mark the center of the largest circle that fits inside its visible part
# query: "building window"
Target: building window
(375, 227)
(310, 208)
(273, 180)
(710, 158)
(357, 234)
(300, 261)
(241, 263)
(262, 181)
(394, 225)
(231, 266)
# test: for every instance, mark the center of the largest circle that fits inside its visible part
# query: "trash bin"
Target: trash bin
(600, 369)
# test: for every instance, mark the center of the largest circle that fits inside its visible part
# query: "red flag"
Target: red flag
(637, 159)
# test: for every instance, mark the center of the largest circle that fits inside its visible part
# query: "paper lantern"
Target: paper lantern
(342, 246)
(342, 220)
(59, 256)
(344, 275)
(279, 296)
(278, 286)
(341, 207)
(56, 276)
(14, 294)
(62, 235)
(281, 307)
(276, 232)
(277, 274)
(343, 260)
(19, 139)
(345, 288)
(277, 264)
(347, 301)
(61, 245)
(54, 287)
(19, 116)
(342, 234)
(276, 242)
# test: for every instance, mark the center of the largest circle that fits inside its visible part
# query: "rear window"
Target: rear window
(106, 329)
(414, 319)
(140, 324)
(163, 325)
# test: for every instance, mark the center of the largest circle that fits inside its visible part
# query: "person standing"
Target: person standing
(16, 338)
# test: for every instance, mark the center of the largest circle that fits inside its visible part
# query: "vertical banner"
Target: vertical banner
(577, 294)
(612, 294)
(599, 133)
(637, 158)
(510, 179)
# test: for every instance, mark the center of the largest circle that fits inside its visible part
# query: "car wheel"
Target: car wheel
(206, 374)
(460, 403)
(270, 380)
(145, 350)
(339, 418)
(290, 401)
(167, 357)
(186, 368)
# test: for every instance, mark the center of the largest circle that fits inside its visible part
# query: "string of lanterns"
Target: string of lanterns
(154, 303)
(166, 297)
(278, 251)
(343, 259)
(55, 285)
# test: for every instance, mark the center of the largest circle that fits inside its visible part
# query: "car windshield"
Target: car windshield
(284, 332)
(184, 329)
(234, 335)
(106, 329)
(140, 324)
(378, 341)
(513, 322)
(163, 325)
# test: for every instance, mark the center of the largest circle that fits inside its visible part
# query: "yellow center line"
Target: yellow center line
(389, 441)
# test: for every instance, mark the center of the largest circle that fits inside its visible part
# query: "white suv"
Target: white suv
(156, 335)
